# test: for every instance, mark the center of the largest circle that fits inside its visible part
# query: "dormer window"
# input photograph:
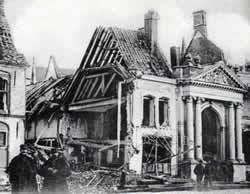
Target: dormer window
(3, 92)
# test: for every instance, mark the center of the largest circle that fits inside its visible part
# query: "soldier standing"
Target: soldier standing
(230, 172)
(199, 171)
(209, 173)
(21, 172)
(55, 172)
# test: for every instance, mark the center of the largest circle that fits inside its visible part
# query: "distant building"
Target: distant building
(12, 94)
(39, 73)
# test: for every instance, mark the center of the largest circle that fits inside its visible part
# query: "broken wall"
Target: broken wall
(157, 87)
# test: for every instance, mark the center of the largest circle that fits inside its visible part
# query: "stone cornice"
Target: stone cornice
(187, 82)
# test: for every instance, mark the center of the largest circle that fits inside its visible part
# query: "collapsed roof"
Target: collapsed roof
(45, 95)
(123, 52)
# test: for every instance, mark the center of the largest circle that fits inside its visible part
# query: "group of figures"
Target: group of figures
(214, 171)
(26, 169)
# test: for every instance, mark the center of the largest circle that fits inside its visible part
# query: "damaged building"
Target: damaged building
(126, 104)
(43, 99)
(124, 92)
(12, 95)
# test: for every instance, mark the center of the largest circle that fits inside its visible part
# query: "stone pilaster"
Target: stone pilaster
(231, 127)
(239, 132)
(198, 130)
(156, 107)
(181, 128)
(190, 128)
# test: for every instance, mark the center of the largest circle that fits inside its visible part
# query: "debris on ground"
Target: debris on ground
(103, 180)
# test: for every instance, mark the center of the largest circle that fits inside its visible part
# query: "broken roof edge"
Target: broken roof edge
(132, 54)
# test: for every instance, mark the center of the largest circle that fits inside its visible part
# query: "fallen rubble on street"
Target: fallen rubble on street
(102, 180)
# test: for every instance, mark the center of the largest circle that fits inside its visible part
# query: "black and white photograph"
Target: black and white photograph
(124, 96)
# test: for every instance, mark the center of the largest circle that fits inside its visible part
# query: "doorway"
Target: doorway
(211, 137)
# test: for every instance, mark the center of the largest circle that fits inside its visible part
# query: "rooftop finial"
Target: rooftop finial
(33, 71)
(51, 69)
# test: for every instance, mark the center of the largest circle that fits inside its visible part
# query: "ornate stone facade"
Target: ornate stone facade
(218, 76)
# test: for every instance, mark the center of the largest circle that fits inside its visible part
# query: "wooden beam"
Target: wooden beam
(88, 101)
(86, 89)
(104, 46)
(88, 49)
(107, 53)
(93, 86)
(82, 89)
(94, 105)
(97, 75)
(108, 84)
(99, 30)
(119, 117)
(98, 47)
(101, 87)
(78, 89)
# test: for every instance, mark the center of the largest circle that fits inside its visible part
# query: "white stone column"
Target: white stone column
(181, 128)
(231, 132)
(190, 128)
(198, 130)
(222, 146)
(156, 110)
(239, 132)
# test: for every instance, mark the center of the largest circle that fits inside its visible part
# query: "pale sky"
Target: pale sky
(63, 28)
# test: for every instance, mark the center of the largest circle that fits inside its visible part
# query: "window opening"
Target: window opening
(2, 139)
(3, 94)
(148, 111)
(163, 112)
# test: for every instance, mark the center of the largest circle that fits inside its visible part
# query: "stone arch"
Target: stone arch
(213, 123)
(217, 109)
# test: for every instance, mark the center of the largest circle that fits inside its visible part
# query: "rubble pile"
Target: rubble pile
(93, 181)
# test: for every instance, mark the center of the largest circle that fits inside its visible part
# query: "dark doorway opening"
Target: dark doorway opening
(210, 134)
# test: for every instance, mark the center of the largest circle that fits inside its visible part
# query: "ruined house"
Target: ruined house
(124, 91)
(43, 100)
(127, 105)
(12, 95)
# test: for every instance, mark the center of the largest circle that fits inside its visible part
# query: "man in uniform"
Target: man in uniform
(199, 171)
(22, 172)
(55, 172)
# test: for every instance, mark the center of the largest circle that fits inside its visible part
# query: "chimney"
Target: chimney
(200, 22)
(151, 28)
(175, 56)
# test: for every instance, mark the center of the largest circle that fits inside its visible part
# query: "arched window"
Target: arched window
(148, 111)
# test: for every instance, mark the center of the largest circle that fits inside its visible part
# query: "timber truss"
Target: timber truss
(113, 55)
